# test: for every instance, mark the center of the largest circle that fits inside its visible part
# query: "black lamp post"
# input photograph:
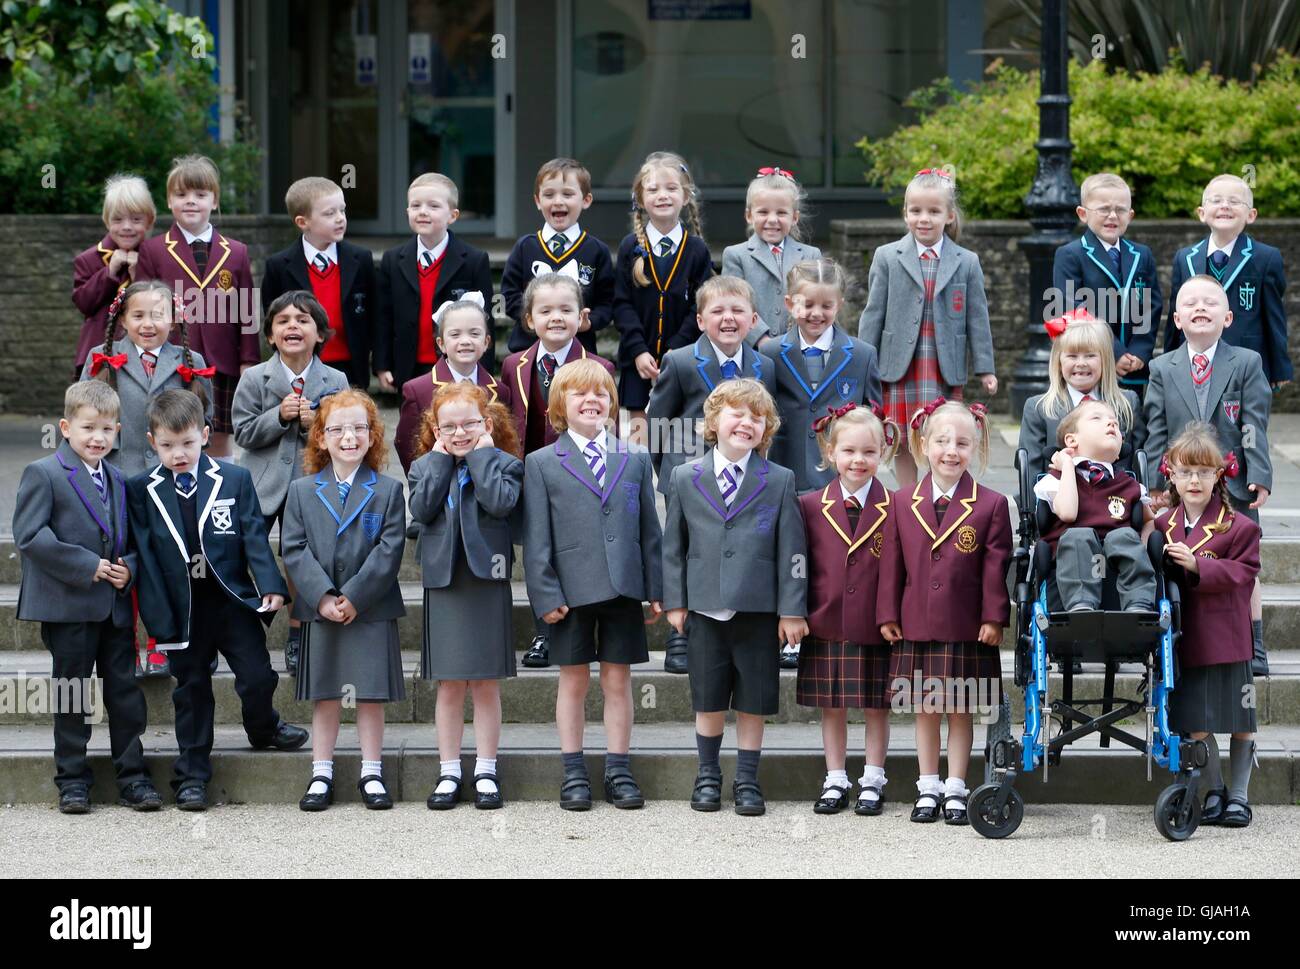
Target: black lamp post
(1051, 201)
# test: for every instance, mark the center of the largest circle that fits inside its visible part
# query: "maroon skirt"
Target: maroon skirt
(842, 675)
(930, 677)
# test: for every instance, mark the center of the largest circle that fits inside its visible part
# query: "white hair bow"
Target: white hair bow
(473, 296)
(569, 269)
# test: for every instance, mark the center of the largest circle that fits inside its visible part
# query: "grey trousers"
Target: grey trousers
(1083, 561)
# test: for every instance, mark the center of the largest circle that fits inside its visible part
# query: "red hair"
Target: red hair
(504, 435)
(316, 455)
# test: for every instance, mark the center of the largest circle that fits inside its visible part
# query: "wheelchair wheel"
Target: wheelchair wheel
(984, 816)
(1177, 814)
(1000, 729)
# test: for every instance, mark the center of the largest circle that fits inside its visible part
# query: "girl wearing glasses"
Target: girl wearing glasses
(465, 484)
(343, 534)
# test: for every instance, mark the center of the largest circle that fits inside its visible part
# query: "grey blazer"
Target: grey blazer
(751, 557)
(1038, 435)
(1239, 398)
(62, 531)
(849, 374)
(354, 549)
(273, 451)
(131, 452)
(687, 376)
(480, 523)
(753, 262)
(892, 320)
(583, 544)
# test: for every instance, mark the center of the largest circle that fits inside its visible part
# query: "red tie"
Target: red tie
(1200, 369)
(776, 251)
(940, 506)
(149, 360)
(1085, 398)
(929, 254)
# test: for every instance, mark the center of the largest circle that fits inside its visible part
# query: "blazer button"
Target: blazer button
(731, 524)
(934, 556)
(606, 511)
(609, 538)
(286, 460)
(934, 585)
(728, 553)
(853, 560)
(849, 590)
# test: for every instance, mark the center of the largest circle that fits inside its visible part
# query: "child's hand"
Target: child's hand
(555, 615)
(119, 261)
(346, 609)
(271, 602)
(485, 440)
(119, 575)
(290, 408)
(677, 619)
(439, 447)
(1063, 460)
(656, 610)
(990, 382)
(1261, 495)
(646, 366)
(306, 417)
(892, 632)
(104, 571)
(1159, 501)
(328, 608)
(990, 634)
(584, 322)
(1183, 556)
(791, 630)
(386, 380)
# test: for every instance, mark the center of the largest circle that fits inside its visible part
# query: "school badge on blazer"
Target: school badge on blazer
(1116, 506)
(1232, 409)
(958, 300)
(847, 387)
(1246, 296)
(1207, 554)
(966, 539)
(226, 279)
(877, 544)
(632, 497)
(586, 274)
(371, 522)
(222, 522)
(766, 515)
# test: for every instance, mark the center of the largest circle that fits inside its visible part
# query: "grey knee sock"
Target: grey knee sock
(1213, 774)
(574, 763)
(1241, 755)
(709, 747)
(747, 765)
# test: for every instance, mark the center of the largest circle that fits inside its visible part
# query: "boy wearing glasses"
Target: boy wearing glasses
(1113, 277)
(1249, 271)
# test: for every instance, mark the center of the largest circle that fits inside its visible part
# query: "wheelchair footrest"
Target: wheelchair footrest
(1094, 625)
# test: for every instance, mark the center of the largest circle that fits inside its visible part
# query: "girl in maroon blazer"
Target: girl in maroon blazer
(108, 267)
(1217, 553)
(844, 661)
(942, 600)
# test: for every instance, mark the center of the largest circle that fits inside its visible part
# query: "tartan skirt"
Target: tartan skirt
(842, 675)
(223, 399)
(922, 383)
(932, 677)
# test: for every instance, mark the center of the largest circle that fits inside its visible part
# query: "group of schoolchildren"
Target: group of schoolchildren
(781, 546)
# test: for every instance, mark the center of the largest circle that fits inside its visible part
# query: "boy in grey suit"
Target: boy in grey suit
(735, 570)
(78, 565)
(1208, 379)
(591, 557)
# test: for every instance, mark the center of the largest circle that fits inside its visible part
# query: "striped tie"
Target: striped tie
(148, 360)
(853, 510)
(322, 263)
(940, 506)
(559, 243)
(596, 461)
(665, 247)
(727, 483)
(462, 479)
(185, 484)
(344, 488)
(100, 486)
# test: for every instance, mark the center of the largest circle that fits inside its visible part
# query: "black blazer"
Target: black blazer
(397, 342)
(232, 532)
(287, 270)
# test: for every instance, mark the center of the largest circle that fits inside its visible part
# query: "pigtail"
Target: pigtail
(980, 413)
(643, 246)
(108, 373)
(694, 219)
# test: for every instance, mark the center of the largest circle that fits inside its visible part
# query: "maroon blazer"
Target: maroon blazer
(942, 583)
(417, 395)
(844, 568)
(1216, 601)
(93, 289)
(517, 373)
(229, 277)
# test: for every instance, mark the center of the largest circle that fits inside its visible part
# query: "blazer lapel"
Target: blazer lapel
(359, 495)
(950, 259)
(276, 381)
(762, 254)
(133, 368)
(523, 375)
(1091, 245)
(923, 505)
(1183, 378)
(706, 362)
(1197, 260)
(707, 485)
(1220, 373)
(833, 511)
(839, 357)
(452, 258)
(792, 357)
(615, 463)
(314, 383)
(488, 383)
(567, 451)
(751, 484)
(964, 495)
(1241, 254)
(169, 358)
(213, 475)
(406, 263)
(348, 264)
(910, 259)
(162, 491)
(74, 470)
(299, 272)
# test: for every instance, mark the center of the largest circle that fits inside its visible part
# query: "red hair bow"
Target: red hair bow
(921, 416)
(832, 413)
(1164, 466)
(934, 171)
(117, 361)
(1230, 466)
(1055, 327)
(189, 373)
(890, 427)
(978, 411)
(773, 170)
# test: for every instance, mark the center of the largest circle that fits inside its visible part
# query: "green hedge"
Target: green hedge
(1167, 134)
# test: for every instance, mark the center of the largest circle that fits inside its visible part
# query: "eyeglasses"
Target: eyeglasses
(1202, 474)
(335, 431)
(469, 427)
(1108, 210)
(1218, 200)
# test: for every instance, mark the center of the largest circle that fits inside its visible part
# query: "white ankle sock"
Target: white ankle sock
(836, 778)
(872, 777)
(486, 765)
(955, 787)
(447, 768)
(929, 784)
(320, 768)
(373, 769)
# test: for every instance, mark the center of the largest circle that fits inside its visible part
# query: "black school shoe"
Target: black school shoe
(538, 655)
(381, 801)
(870, 807)
(926, 813)
(1237, 814)
(491, 800)
(286, 737)
(675, 653)
(193, 797)
(748, 797)
(833, 800)
(621, 789)
(575, 792)
(318, 802)
(74, 799)
(444, 802)
(140, 796)
(1215, 801)
(707, 795)
(954, 809)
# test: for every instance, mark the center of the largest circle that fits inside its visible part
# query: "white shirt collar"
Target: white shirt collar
(780, 245)
(582, 442)
(1189, 523)
(460, 378)
(1077, 395)
(350, 478)
(823, 342)
(1209, 353)
(331, 252)
(289, 370)
(937, 247)
(572, 233)
(720, 462)
(1107, 246)
(140, 351)
(1080, 459)
(190, 238)
(653, 236)
(1212, 248)
(437, 251)
(860, 494)
(95, 471)
(723, 358)
(561, 355)
(936, 494)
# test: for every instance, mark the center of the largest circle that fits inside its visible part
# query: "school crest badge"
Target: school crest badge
(966, 539)
(846, 387)
(958, 301)
(371, 522)
(1232, 410)
(631, 497)
(1207, 554)
(1246, 296)
(586, 274)
(222, 523)
(226, 279)
(878, 544)
(766, 517)
(1118, 508)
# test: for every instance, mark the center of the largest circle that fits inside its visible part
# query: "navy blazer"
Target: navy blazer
(1083, 274)
(588, 261)
(1256, 285)
(232, 536)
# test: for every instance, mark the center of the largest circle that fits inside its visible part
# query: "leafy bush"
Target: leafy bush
(1167, 134)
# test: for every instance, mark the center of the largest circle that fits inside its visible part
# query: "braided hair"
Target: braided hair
(120, 306)
(691, 215)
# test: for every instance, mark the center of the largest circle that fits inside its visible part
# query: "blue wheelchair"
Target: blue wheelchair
(1045, 634)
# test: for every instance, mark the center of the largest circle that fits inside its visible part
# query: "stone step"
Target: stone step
(663, 759)
(529, 698)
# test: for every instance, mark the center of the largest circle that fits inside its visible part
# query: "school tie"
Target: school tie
(559, 243)
(298, 383)
(100, 486)
(929, 254)
(426, 259)
(814, 362)
(344, 488)
(776, 251)
(148, 360)
(596, 461)
(940, 506)
(1218, 260)
(322, 262)
(199, 249)
(728, 483)
(1097, 473)
(1200, 368)
(665, 246)
(853, 509)
(548, 368)
(186, 484)
(1085, 398)
(462, 478)
(730, 370)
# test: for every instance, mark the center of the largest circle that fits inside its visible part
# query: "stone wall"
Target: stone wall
(1006, 276)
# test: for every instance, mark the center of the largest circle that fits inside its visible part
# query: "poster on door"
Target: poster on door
(367, 49)
(420, 59)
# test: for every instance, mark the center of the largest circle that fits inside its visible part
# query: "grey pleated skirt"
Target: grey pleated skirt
(468, 633)
(361, 661)
(1214, 699)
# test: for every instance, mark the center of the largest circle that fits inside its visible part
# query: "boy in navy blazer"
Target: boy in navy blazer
(415, 278)
(1114, 277)
(70, 526)
(207, 576)
(340, 275)
(1250, 272)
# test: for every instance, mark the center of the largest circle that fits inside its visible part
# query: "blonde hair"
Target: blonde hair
(127, 195)
(864, 417)
(1102, 180)
(578, 377)
(95, 394)
(776, 182)
(690, 211)
(1201, 278)
(742, 392)
(716, 287)
(935, 180)
(435, 180)
(195, 173)
(303, 194)
(951, 410)
(1082, 336)
(1238, 182)
(815, 272)
(1198, 447)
